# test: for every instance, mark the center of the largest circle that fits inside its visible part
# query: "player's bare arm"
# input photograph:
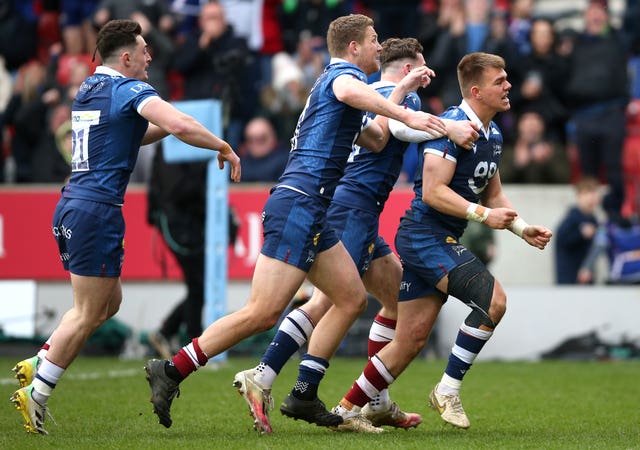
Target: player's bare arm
(497, 202)
(172, 121)
(437, 173)
(359, 95)
(374, 135)
(418, 77)
(462, 132)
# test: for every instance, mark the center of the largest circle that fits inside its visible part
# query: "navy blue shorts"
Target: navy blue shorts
(295, 228)
(427, 255)
(90, 237)
(358, 231)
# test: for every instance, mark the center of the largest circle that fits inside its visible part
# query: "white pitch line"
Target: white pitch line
(89, 375)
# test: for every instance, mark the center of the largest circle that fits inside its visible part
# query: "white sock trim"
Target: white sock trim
(476, 332)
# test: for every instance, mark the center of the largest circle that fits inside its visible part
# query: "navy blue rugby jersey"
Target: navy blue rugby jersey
(107, 131)
(474, 169)
(324, 136)
(369, 177)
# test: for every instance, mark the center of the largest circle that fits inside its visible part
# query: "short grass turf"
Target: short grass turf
(103, 403)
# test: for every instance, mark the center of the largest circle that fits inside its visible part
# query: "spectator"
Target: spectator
(51, 162)
(156, 11)
(214, 61)
(177, 208)
(576, 231)
(544, 75)
(395, 19)
(258, 22)
(619, 239)
(18, 36)
(468, 27)
(285, 98)
(26, 117)
(312, 15)
(263, 158)
(631, 161)
(312, 56)
(520, 24)
(76, 21)
(536, 157)
(597, 93)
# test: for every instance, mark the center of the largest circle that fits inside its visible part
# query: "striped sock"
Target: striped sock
(468, 344)
(374, 378)
(188, 360)
(294, 331)
(45, 381)
(310, 373)
(381, 333)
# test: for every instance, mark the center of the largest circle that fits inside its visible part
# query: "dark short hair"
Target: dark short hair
(116, 34)
(394, 49)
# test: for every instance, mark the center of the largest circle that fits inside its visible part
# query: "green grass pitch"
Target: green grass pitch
(103, 403)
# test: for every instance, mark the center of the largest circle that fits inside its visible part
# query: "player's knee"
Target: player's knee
(358, 305)
(498, 304)
(412, 338)
(474, 285)
(267, 321)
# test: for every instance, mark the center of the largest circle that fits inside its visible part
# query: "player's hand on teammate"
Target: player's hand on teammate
(426, 122)
(462, 132)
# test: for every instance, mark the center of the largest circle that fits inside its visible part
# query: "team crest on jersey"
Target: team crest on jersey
(497, 149)
(450, 240)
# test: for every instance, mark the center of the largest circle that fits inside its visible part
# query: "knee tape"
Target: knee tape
(473, 284)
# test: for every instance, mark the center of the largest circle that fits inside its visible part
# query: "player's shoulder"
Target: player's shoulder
(341, 68)
(454, 113)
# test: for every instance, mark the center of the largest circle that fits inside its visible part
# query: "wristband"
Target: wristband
(518, 226)
(477, 213)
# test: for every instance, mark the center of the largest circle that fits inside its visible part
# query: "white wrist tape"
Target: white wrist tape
(518, 226)
(477, 213)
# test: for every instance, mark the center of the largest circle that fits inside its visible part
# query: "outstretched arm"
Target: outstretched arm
(462, 132)
(359, 95)
(165, 119)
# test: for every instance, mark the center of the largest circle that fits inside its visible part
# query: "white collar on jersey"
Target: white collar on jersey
(108, 71)
(335, 60)
(474, 118)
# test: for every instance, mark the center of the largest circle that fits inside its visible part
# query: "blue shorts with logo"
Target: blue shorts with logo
(358, 231)
(90, 237)
(427, 254)
(295, 228)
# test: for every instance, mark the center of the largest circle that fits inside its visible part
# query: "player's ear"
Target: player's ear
(475, 92)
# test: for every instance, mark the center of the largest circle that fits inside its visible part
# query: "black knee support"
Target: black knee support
(472, 283)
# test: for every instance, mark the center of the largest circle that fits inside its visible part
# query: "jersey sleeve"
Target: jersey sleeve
(444, 147)
(135, 94)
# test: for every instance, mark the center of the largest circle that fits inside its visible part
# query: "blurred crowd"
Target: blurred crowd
(575, 96)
